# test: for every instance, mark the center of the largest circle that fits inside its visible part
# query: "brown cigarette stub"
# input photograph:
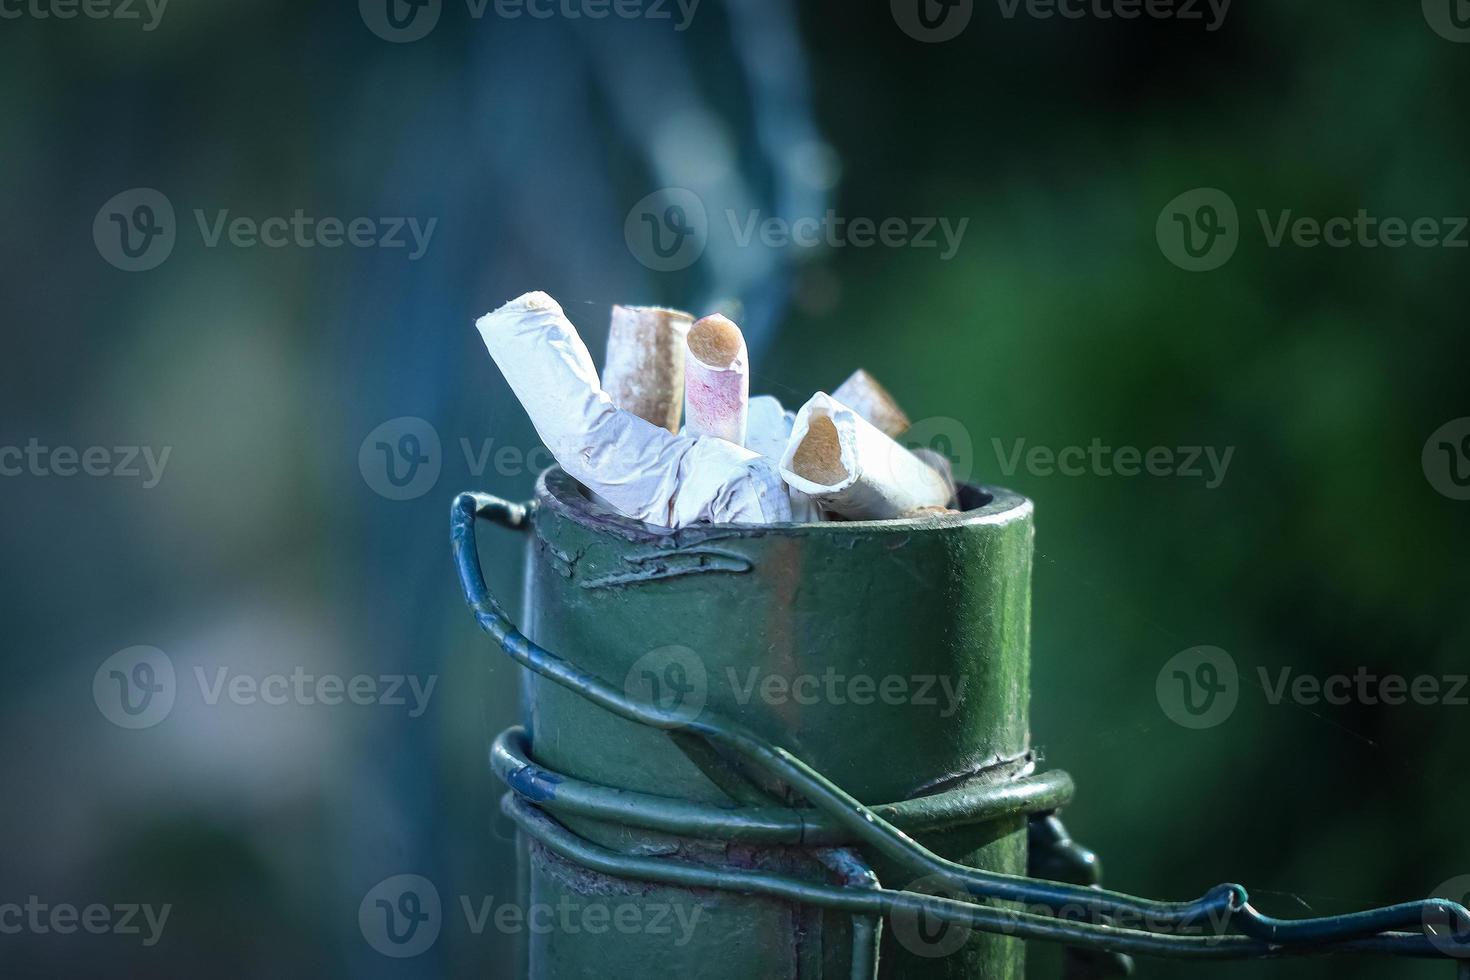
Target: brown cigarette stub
(845, 463)
(716, 380)
(863, 394)
(644, 370)
(818, 457)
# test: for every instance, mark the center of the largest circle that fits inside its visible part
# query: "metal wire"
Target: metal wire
(1171, 926)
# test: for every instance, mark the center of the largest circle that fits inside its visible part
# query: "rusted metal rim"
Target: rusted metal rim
(994, 795)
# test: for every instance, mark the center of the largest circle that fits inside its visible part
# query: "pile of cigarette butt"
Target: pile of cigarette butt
(734, 459)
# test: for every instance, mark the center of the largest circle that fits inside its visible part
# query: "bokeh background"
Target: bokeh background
(269, 546)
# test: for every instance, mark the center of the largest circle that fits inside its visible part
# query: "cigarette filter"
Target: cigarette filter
(863, 394)
(716, 380)
(644, 370)
(839, 458)
(644, 471)
(767, 433)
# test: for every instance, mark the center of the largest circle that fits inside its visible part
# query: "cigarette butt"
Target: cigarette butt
(863, 394)
(641, 469)
(716, 380)
(767, 433)
(844, 462)
(644, 370)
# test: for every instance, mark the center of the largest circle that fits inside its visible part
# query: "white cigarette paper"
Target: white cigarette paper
(644, 471)
(716, 380)
(843, 461)
(644, 369)
(768, 432)
(863, 394)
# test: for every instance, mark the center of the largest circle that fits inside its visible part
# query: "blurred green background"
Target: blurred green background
(266, 547)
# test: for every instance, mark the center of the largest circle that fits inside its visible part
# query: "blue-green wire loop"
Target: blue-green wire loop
(1221, 908)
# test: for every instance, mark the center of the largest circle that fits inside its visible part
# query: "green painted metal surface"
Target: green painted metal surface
(891, 656)
(781, 838)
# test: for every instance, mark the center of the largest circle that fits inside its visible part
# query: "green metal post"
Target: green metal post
(891, 656)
